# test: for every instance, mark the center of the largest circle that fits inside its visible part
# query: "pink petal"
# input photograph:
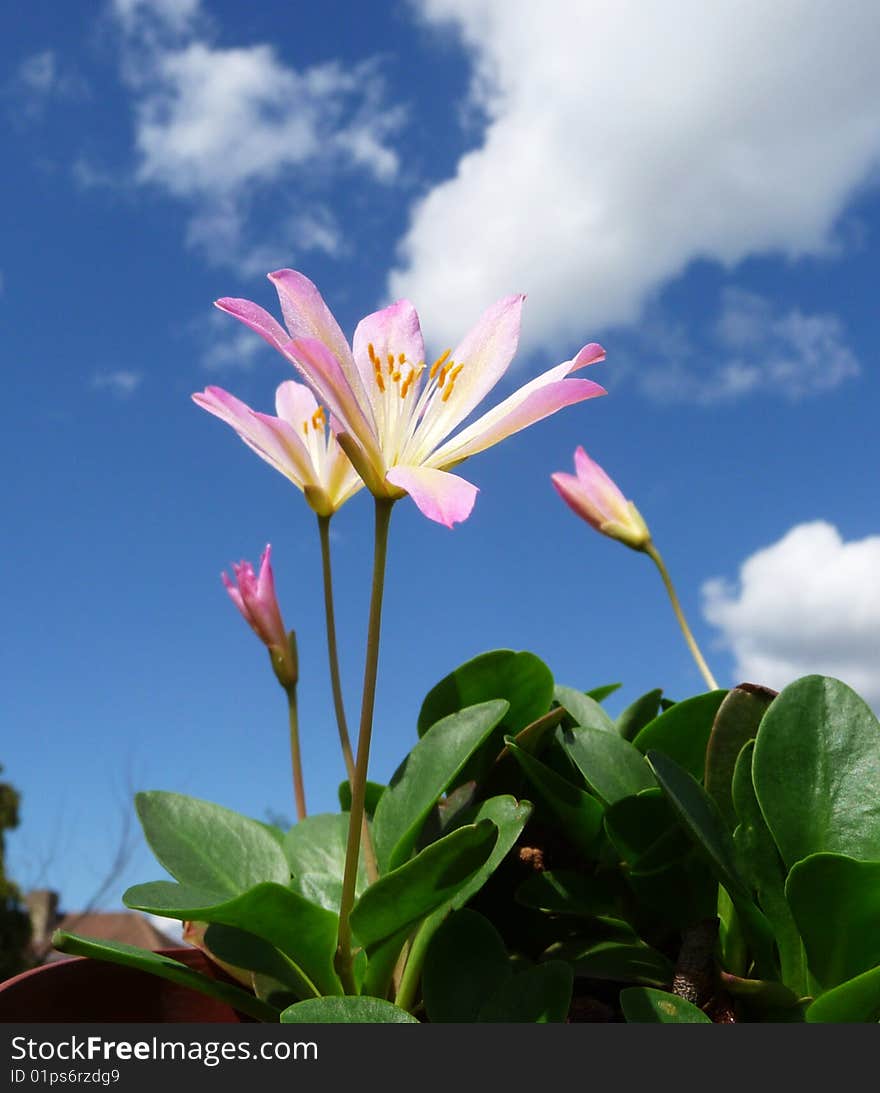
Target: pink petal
(273, 440)
(256, 318)
(590, 354)
(295, 404)
(305, 313)
(485, 353)
(569, 489)
(601, 490)
(438, 495)
(534, 401)
(393, 331)
(324, 374)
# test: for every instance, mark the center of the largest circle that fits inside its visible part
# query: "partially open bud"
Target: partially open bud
(595, 498)
(255, 598)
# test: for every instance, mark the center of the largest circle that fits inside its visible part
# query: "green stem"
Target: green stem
(344, 956)
(336, 686)
(654, 555)
(299, 789)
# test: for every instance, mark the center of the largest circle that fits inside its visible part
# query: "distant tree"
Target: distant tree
(15, 927)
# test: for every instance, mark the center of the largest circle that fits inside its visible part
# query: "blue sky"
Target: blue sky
(681, 187)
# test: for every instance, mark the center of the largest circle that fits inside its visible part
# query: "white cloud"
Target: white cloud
(624, 140)
(807, 603)
(122, 383)
(218, 128)
(39, 79)
(750, 348)
(228, 347)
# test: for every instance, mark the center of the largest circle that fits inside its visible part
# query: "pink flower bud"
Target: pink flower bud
(595, 498)
(255, 598)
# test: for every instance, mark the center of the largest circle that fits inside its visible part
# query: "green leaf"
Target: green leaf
(373, 790)
(466, 963)
(817, 770)
(209, 847)
(584, 710)
(621, 961)
(509, 816)
(115, 952)
(761, 865)
(611, 766)
(699, 816)
(539, 995)
(634, 718)
(578, 814)
(427, 771)
(736, 723)
(315, 849)
(681, 894)
(382, 961)
(301, 930)
(835, 901)
(647, 1006)
(682, 731)
(255, 954)
(432, 877)
(570, 892)
(349, 1010)
(522, 679)
(856, 1001)
(599, 694)
(645, 831)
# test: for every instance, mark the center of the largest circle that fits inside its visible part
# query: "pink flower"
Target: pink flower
(255, 598)
(297, 442)
(392, 412)
(595, 498)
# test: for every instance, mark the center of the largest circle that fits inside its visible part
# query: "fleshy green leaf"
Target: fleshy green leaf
(699, 816)
(570, 892)
(645, 831)
(578, 813)
(634, 718)
(209, 847)
(520, 678)
(315, 849)
(466, 963)
(855, 1001)
(835, 901)
(539, 995)
(583, 710)
(373, 791)
(301, 930)
(619, 960)
(115, 952)
(736, 722)
(816, 771)
(648, 1006)
(611, 766)
(415, 888)
(762, 867)
(255, 954)
(682, 731)
(425, 774)
(348, 1010)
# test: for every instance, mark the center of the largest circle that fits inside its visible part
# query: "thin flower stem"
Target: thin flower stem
(299, 789)
(654, 555)
(336, 686)
(344, 956)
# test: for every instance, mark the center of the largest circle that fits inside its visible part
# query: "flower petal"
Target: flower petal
(273, 440)
(305, 313)
(438, 495)
(393, 331)
(534, 401)
(484, 354)
(256, 318)
(295, 403)
(590, 354)
(323, 372)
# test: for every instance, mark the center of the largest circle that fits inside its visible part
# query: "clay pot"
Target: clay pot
(78, 989)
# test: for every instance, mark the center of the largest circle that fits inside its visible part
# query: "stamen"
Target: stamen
(379, 380)
(371, 350)
(444, 372)
(401, 358)
(396, 376)
(390, 363)
(305, 428)
(438, 363)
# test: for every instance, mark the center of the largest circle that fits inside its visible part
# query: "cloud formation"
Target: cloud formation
(218, 127)
(750, 347)
(809, 602)
(122, 383)
(624, 140)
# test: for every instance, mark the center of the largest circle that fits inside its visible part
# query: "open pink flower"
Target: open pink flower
(297, 442)
(255, 598)
(595, 498)
(392, 412)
